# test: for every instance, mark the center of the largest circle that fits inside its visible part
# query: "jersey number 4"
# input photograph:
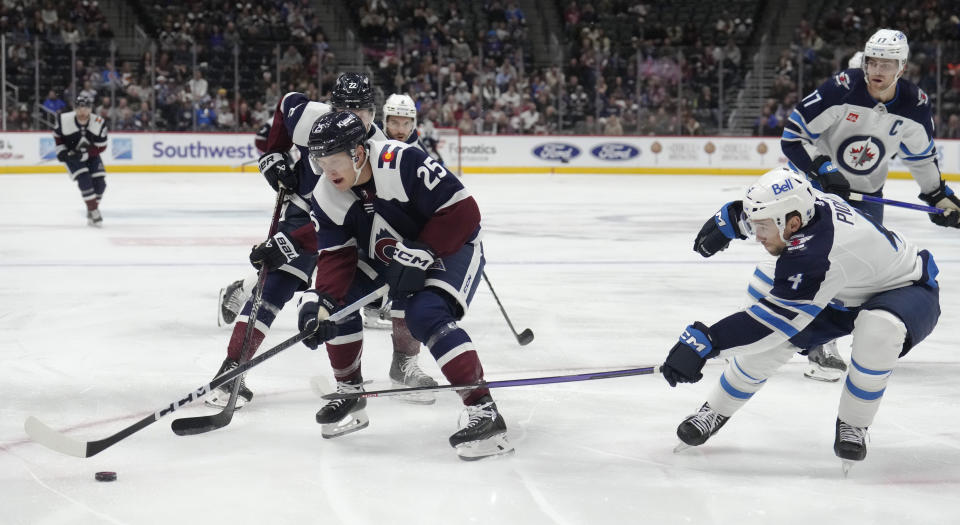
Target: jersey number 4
(431, 172)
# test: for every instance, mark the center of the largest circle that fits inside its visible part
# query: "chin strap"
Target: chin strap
(357, 170)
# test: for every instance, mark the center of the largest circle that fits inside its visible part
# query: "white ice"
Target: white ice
(101, 327)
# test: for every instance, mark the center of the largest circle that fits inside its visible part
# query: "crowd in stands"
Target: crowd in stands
(829, 36)
(628, 67)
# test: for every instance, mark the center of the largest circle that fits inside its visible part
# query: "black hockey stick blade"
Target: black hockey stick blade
(525, 337)
(587, 376)
(60, 442)
(191, 426)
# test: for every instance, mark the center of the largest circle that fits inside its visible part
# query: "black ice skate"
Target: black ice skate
(94, 218)
(697, 429)
(405, 372)
(485, 432)
(343, 416)
(849, 444)
(825, 363)
(221, 395)
(231, 301)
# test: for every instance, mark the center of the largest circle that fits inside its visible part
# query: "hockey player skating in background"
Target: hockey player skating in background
(80, 139)
(387, 212)
(844, 134)
(293, 119)
(838, 271)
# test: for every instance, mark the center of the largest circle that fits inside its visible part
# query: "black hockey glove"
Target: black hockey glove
(719, 230)
(312, 311)
(687, 357)
(274, 252)
(69, 155)
(828, 179)
(279, 171)
(407, 272)
(945, 199)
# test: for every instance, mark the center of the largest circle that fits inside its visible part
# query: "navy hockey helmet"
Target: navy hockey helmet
(353, 91)
(83, 101)
(335, 132)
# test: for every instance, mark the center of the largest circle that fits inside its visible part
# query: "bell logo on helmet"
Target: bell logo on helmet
(781, 187)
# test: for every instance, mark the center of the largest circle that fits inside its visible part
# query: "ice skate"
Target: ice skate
(377, 317)
(850, 445)
(343, 416)
(231, 301)
(221, 395)
(825, 363)
(94, 218)
(697, 429)
(484, 434)
(405, 372)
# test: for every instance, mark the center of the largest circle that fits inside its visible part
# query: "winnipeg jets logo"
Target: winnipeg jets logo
(860, 154)
(922, 97)
(843, 79)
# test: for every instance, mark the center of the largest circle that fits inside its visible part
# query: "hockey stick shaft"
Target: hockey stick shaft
(610, 374)
(54, 440)
(854, 196)
(246, 346)
(523, 337)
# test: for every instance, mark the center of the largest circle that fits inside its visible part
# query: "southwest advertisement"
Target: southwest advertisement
(34, 152)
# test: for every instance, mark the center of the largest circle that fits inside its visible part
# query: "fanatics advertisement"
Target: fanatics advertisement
(33, 152)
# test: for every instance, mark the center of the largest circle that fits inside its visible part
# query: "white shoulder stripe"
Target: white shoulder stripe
(313, 111)
(457, 197)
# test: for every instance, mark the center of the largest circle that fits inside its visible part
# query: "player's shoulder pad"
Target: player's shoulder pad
(306, 115)
(912, 102)
(376, 133)
(391, 160)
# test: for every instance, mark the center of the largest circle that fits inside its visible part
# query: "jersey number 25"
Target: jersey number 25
(431, 172)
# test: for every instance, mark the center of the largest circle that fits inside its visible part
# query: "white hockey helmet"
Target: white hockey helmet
(400, 105)
(887, 43)
(856, 61)
(777, 194)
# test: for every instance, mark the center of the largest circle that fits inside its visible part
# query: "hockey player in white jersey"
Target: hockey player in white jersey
(838, 271)
(844, 134)
(80, 138)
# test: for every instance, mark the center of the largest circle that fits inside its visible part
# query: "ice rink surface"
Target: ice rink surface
(102, 327)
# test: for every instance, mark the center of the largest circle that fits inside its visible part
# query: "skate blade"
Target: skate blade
(485, 448)
(818, 373)
(377, 324)
(845, 467)
(220, 319)
(415, 398)
(220, 400)
(353, 422)
(681, 447)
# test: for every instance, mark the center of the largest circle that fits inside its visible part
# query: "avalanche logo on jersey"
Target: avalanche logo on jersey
(860, 154)
(383, 242)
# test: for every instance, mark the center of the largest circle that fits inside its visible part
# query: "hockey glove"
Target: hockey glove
(279, 171)
(274, 252)
(945, 199)
(407, 272)
(827, 178)
(312, 311)
(719, 230)
(687, 357)
(69, 155)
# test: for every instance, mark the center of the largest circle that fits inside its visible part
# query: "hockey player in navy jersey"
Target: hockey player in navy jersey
(293, 119)
(838, 271)
(80, 138)
(844, 134)
(387, 212)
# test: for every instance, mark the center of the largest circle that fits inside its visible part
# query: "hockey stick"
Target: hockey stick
(523, 337)
(196, 425)
(496, 384)
(54, 440)
(854, 196)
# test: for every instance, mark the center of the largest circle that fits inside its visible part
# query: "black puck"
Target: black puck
(105, 476)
